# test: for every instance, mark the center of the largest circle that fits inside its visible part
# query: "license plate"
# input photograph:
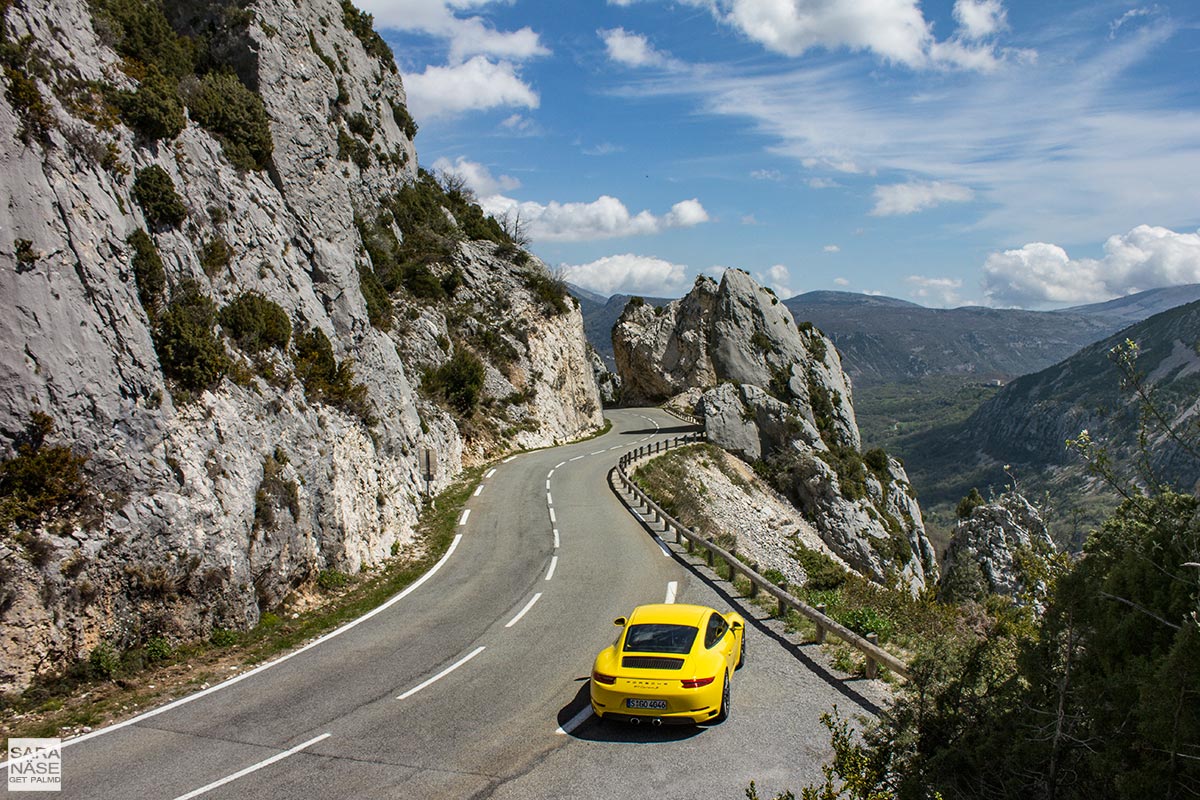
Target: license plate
(658, 705)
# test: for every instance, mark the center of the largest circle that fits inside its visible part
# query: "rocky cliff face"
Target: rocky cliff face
(775, 392)
(997, 549)
(248, 339)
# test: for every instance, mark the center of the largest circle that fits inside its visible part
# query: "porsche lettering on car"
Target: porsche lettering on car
(671, 664)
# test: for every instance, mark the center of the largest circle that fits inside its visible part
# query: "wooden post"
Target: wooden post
(782, 605)
(820, 627)
(753, 585)
(708, 556)
(872, 665)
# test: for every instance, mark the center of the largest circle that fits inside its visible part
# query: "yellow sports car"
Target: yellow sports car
(670, 664)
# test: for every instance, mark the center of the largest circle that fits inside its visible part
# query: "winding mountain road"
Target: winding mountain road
(474, 683)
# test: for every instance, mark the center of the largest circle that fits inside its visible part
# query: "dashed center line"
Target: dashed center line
(559, 464)
(490, 473)
(672, 589)
(549, 499)
(523, 611)
(463, 520)
(478, 490)
(252, 768)
(556, 538)
(574, 722)
(553, 564)
(550, 474)
(576, 458)
(510, 458)
(552, 519)
(597, 453)
(442, 674)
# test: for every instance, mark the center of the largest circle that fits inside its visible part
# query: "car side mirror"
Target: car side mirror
(620, 622)
(737, 626)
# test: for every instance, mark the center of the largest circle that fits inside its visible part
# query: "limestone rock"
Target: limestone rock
(993, 550)
(219, 505)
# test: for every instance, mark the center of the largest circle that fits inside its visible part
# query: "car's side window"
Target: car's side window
(716, 630)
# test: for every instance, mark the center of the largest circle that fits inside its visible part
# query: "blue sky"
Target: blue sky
(1000, 152)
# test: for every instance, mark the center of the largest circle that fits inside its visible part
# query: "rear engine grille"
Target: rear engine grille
(651, 662)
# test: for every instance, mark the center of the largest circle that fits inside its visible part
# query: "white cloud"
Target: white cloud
(604, 218)
(840, 282)
(766, 175)
(822, 183)
(477, 85)
(628, 274)
(914, 196)
(520, 125)
(603, 149)
(1130, 16)
(895, 30)
(466, 36)
(1041, 274)
(477, 176)
(631, 49)
(831, 248)
(936, 291)
(978, 19)
(778, 278)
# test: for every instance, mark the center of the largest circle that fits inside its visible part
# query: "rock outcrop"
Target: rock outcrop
(218, 494)
(1000, 547)
(775, 392)
(608, 382)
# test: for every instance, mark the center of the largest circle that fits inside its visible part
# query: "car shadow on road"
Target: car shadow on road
(597, 730)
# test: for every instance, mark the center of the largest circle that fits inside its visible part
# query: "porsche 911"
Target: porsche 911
(671, 664)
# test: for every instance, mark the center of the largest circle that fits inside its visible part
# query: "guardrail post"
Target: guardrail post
(691, 545)
(753, 585)
(678, 535)
(820, 627)
(708, 556)
(872, 665)
(782, 612)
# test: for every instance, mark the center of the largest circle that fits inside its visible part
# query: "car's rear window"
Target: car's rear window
(660, 638)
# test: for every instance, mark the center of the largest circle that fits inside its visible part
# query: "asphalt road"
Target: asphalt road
(475, 683)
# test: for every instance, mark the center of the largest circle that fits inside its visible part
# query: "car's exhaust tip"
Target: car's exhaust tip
(656, 722)
(634, 721)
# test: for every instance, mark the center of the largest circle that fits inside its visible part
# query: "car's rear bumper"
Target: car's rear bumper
(644, 719)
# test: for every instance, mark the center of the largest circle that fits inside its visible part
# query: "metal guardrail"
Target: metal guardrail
(867, 645)
(683, 415)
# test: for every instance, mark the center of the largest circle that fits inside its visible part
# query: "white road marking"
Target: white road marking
(576, 458)
(559, 464)
(665, 550)
(616, 447)
(553, 564)
(510, 458)
(549, 499)
(672, 589)
(524, 610)
(550, 474)
(252, 768)
(597, 453)
(442, 674)
(262, 667)
(556, 538)
(490, 473)
(547, 484)
(466, 513)
(552, 519)
(574, 722)
(478, 490)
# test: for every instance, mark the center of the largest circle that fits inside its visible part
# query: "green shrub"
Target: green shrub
(148, 272)
(969, 503)
(549, 290)
(222, 637)
(274, 491)
(360, 126)
(379, 304)
(155, 192)
(187, 348)
(256, 323)
(760, 342)
(26, 255)
(37, 120)
(325, 379)
(404, 120)
(330, 579)
(154, 109)
(142, 32)
(104, 661)
(157, 649)
(877, 460)
(865, 619)
(823, 573)
(459, 381)
(41, 481)
(352, 149)
(215, 256)
(236, 116)
(362, 25)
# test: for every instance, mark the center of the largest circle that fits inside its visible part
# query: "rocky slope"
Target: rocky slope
(230, 290)
(997, 548)
(775, 393)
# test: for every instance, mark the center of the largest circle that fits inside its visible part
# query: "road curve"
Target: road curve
(475, 684)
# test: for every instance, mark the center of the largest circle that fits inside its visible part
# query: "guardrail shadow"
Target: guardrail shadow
(681, 428)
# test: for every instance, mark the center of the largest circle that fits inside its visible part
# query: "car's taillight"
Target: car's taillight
(696, 683)
(599, 677)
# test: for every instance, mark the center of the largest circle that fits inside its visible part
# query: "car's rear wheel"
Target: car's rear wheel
(723, 714)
